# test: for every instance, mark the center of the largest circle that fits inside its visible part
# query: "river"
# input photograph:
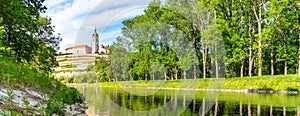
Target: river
(149, 102)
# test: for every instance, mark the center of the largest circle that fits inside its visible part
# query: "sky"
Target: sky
(76, 20)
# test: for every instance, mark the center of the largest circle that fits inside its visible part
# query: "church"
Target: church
(79, 57)
(85, 49)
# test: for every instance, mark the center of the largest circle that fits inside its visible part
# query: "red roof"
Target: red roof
(105, 47)
(78, 46)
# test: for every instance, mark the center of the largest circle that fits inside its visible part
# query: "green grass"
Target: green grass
(280, 82)
(18, 76)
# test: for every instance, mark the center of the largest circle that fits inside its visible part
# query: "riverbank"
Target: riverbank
(26, 91)
(263, 84)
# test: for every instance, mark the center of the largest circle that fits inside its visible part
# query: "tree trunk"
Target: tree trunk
(284, 111)
(285, 68)
(116, 79)
(271, 110)
(203, 107)
(298, 45)
(232, 70)
(184, 74)
(272, 58)
(250, 51)
(153, 76)
(216, 108)
(254, 65)
(194, 104)
(242, 34)
(216, 50)
(298, 71)
(153, 99)
(285, 61)
(217, 68)
(259, 21)
(176, 75)
(165, 75)
(242, 69)
(241, 109)
(195, 54)
(258, 110)
(195, 71)
(204, 60)
(298, 111)
(250, 65)
(260, 41)
(249, 109)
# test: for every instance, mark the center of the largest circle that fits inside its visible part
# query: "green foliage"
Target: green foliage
(64, 96)
(88, 77)
(90, 68)
(251, 38)
(55, 107)
(67, 95)
(29, 37)
(291, 89)
(103, 69)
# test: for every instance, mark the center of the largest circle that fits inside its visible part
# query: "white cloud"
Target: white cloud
(75, 20)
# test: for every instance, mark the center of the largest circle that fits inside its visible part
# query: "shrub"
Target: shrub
(68, 96)
(89, 77)
(291, 89)
(55, 107)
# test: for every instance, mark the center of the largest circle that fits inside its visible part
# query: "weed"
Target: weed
(55, 107)
(27, 107)
(11, 96)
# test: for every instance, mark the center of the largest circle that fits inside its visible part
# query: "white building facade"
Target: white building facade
(79, 49)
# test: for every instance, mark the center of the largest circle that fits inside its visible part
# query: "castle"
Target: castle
(85, 49)
(77, 58)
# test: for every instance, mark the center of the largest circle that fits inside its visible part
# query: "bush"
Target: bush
(55, 107)
(291, 89)
(67, 95)
(89, 77)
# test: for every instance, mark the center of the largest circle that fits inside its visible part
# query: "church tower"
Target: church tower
(95, 42)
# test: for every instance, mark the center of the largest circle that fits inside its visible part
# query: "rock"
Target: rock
(77, 109)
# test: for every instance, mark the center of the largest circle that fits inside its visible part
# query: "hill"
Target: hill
(24, 90)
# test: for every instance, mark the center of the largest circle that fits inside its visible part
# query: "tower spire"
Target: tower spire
(95, 42)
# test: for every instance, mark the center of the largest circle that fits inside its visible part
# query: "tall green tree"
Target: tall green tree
(29, 36)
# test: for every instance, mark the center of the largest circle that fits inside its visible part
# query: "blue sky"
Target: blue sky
(76, 20)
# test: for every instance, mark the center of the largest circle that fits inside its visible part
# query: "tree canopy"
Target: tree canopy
(234, 38)
(27, 35)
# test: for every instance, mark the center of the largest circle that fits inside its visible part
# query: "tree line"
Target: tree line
(228, 38)
(26, 36)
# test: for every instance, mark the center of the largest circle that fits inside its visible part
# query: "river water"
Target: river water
(150, 102)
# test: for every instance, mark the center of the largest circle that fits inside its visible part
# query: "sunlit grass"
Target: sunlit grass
(280, 82)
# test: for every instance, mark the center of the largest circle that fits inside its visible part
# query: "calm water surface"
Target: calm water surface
(149, 102)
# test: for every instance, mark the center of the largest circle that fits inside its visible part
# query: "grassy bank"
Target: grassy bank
(282, 83)
(15, 76)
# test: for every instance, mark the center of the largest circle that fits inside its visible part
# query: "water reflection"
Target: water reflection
(111, 101)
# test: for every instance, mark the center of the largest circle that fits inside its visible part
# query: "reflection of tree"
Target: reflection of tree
(112, 101)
